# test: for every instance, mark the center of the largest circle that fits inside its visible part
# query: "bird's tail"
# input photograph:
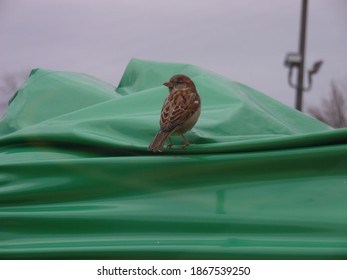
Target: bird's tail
(157, 144)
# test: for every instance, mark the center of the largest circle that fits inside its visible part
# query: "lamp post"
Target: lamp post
(297, 60)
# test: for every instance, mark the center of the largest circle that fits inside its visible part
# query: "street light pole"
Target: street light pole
(302, 43)
(296, 60)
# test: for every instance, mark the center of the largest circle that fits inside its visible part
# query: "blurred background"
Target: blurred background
(245, 41)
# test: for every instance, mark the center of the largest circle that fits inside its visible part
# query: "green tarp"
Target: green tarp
(260, 180)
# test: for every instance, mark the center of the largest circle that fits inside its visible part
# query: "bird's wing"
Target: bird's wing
(178, 108)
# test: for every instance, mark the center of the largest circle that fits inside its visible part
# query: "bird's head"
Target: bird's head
(179, 82)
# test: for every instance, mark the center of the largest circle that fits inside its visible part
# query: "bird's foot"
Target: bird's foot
(183, 146)
(186, 142)
(169, 145)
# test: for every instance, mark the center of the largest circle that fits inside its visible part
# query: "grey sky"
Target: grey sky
(245, 41)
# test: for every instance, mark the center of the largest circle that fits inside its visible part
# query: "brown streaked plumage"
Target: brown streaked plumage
(179, 114)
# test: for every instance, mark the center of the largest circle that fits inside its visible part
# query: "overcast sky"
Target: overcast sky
(245, 41)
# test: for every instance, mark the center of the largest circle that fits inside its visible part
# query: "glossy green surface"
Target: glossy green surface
(260, 180)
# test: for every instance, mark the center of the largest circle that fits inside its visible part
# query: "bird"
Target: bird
(180, 112)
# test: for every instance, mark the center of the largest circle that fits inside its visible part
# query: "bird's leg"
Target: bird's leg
(186, 142)
(170, 143)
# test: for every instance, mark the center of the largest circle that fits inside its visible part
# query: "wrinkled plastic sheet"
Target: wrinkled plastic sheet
(260, 180)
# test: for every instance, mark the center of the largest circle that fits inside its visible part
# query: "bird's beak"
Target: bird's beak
(168, 84)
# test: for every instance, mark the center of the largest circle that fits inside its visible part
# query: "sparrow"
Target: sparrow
(180, 112)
